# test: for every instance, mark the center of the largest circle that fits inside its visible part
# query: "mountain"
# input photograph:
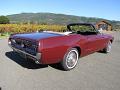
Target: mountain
(51, 18)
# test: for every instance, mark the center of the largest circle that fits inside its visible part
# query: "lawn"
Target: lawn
(4, 36)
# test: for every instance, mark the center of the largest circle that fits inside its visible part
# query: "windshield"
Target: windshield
(84, 29)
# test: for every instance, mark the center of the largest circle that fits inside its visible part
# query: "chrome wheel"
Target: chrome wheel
(72, 58)
(108, 49)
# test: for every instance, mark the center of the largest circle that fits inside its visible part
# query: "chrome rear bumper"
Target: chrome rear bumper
(36, 58)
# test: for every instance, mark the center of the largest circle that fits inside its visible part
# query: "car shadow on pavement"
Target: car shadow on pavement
(23, 62)
(56, 66)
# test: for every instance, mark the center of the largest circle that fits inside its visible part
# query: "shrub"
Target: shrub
(22, 28)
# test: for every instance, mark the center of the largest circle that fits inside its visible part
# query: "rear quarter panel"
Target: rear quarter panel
(53, 49)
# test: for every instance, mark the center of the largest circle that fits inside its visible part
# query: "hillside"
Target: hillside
(49, 18)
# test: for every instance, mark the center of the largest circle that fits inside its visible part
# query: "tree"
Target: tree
(4, 20)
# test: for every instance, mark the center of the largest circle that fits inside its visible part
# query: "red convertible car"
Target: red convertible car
(66, 48)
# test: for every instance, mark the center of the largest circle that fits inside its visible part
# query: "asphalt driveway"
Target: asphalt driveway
(97, 71)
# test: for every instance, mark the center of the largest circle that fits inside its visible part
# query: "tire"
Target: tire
(108, 47)
(70, 59)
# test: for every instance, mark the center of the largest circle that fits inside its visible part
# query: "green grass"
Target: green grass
(5, 35)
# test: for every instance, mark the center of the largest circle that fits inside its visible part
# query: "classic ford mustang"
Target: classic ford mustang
(66, 48)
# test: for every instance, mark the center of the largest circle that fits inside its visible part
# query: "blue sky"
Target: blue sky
(108, 9)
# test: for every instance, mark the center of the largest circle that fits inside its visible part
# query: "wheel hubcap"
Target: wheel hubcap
(72, 59)
(109, 47)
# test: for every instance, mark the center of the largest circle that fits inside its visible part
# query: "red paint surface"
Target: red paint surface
(53, 49)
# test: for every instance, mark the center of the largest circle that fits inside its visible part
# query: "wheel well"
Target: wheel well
(79, 50)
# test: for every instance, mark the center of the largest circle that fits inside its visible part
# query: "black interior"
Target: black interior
(86, 33)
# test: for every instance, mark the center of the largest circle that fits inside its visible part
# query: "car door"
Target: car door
(93, 43)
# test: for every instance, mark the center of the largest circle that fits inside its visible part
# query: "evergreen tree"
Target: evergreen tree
(4, 20)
